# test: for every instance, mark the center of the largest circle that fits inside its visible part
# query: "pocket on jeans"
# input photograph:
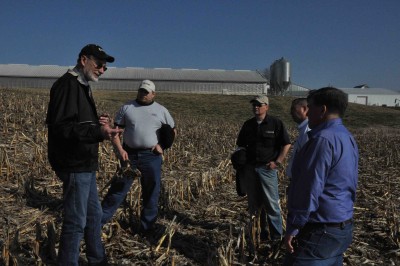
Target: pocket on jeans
(330, 242)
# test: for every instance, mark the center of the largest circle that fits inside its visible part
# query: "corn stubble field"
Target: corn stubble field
(201, 221)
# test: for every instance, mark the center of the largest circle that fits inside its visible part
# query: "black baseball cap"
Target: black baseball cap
(96, 51)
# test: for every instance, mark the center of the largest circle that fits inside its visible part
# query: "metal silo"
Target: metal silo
(280, 76)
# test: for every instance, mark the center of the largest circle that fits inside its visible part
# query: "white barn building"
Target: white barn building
(211, 81)
(373, 96)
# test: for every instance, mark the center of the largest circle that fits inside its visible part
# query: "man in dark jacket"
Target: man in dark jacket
(266, 142)
(74, 133)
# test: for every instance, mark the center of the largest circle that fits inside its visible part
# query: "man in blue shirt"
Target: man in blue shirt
(298, 111)
(323, 187)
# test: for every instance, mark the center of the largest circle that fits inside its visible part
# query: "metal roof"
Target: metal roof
(129, 73)
(369, 91)
(20, 70)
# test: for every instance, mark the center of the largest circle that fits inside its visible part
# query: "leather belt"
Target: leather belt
(130, 150)
(338, 225)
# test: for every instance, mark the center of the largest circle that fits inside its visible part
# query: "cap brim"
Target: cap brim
(105, 57)
(146, 89)
(108, 58)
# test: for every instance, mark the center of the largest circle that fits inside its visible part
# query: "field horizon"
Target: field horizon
(202, 221)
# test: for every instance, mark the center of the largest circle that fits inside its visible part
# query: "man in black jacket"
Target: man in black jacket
(266, 142)
(74, 133)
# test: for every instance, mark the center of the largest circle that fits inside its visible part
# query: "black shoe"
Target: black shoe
(146, 233)
(264, 236)
(103, 263)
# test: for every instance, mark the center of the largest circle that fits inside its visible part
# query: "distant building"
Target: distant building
(372, 96)
(362, 86)
(296, 91)
(361, 94)
(212, 81)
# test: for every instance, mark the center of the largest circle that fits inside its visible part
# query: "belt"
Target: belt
(338, 225)
(133, 150)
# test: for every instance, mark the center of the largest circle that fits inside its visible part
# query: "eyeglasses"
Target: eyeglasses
(98, 65)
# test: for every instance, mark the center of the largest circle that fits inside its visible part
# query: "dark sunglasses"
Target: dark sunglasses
(257, 104)
(98, 65)
(143, 91)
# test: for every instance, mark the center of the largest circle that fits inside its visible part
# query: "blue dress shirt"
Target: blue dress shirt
(302, 138)
(324, 178)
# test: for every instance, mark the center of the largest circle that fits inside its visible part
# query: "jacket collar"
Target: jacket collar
(78, 73)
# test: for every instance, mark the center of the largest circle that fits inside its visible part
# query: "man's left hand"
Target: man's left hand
(289, 243)
(157, 149)
(273, 165)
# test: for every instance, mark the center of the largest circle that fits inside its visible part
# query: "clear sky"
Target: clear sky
(342, 43)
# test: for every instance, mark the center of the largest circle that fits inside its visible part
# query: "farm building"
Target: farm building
(296, 90)
(360, 94)
(211, 81)
(373, 96)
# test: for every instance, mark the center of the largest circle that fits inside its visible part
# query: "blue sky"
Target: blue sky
(327, 42)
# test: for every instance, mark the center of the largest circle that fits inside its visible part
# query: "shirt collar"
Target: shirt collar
(322, 126)
(303, 124)
(265, 120)
(78, 73)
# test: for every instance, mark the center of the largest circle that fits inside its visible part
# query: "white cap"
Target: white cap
(260, 99)
(148, 85)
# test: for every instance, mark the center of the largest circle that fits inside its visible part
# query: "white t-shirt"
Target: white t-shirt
(141, 123)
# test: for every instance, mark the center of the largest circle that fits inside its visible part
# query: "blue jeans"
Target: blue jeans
(149, 165)
(82, 214)
(321, 246)
(261, 185)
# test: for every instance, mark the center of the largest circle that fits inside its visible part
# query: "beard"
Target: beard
(90, 76)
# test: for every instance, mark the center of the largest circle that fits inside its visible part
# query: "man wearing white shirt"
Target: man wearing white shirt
(142, 119)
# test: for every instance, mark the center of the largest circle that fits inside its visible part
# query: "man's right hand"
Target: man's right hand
(105, 119)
